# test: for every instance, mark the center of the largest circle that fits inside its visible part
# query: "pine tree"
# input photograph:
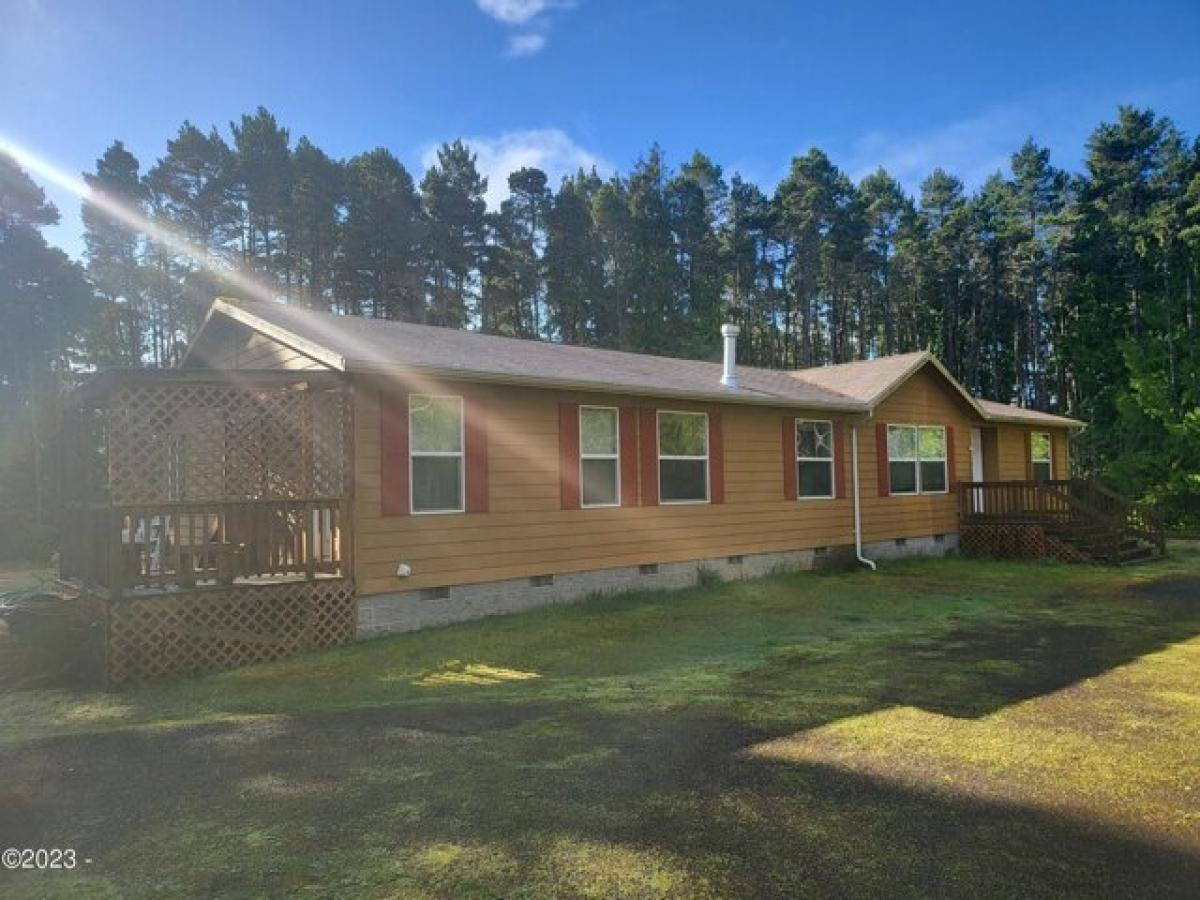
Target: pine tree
(313, 222)
(114, 263)
(452, 195)
(264, 182)
(380, 266)
(574, 262)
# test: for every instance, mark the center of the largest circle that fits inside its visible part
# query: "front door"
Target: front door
(977, 467)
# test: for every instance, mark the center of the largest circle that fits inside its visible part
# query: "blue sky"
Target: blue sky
(558, 83)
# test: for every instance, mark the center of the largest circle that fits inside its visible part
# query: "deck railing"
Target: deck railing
(179, 477)
(184, 544)
(1076, 502)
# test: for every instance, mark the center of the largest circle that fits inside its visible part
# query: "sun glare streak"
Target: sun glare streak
(248, 285)
(136, 221)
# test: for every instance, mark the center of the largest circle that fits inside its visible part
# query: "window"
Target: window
(1042, 456)
(435, 430)
(917, 459)
(682, 457)
(599, 456)
(814, 458)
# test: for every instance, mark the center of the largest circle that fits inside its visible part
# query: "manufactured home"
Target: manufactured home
(305, 478)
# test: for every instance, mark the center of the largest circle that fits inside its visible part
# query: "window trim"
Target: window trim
(707, 457)
(460, 455)
(918, 459)
(831, 458)
(1049, 460)
(615, 457)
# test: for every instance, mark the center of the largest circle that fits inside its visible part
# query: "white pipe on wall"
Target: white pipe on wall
(729, 376)
(858, 554)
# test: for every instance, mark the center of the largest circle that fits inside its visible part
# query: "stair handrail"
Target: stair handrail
(1133, 517)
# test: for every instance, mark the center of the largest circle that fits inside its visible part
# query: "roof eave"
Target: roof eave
(1051, 421)
(319, 352)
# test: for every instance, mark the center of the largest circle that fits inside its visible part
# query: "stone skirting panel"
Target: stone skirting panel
(414, 610)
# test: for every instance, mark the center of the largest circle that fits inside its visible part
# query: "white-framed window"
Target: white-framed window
(917, 459)
(1042, 456)
(682, 457)
(435, 453)
(599, 456)
(814, 459)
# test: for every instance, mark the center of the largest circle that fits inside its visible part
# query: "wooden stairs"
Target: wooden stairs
(1076, 519)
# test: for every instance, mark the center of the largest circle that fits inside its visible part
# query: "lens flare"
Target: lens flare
(514, 441)
(136, 221)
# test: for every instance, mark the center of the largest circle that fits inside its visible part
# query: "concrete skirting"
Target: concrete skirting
(413, 610)
(930, 545)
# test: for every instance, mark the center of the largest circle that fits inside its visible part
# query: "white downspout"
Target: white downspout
(858, 554)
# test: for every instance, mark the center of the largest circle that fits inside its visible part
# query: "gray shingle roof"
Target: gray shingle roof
(355, 343)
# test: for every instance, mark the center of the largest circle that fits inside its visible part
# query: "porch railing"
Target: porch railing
(1076, 502)
(184, 544)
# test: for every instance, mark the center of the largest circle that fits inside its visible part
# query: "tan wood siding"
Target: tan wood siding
(1012, 450)
(525, 532)
(925, 399)
(238, 347)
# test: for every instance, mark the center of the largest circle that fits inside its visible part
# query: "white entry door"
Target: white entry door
(977, 467)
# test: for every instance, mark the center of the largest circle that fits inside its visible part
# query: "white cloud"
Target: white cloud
(525, 44)
(532, 17)
(550, 149)
(976, 146)
(514, 12)
(971, 149)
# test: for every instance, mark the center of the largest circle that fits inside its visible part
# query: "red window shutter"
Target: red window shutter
(568, 454)
(881, 458)
(951, 469)
(649, 451)
(393, 454)
(1029, 456)
(475, 427)
(716, 458)
(790, 491)
(629, 455)
(839, 460)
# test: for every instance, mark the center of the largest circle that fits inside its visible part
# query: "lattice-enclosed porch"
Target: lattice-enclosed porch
(210, 492)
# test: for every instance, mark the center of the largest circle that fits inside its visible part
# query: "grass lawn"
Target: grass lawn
(939, 727)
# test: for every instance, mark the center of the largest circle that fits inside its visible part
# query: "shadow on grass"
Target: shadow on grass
(568, 798)
(979, 668)
(546, 801)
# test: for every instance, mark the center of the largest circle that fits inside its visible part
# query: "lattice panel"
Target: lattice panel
(188, 633)
(1011, 541)
(198, 442)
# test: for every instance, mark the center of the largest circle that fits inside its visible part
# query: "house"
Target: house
(475, 474)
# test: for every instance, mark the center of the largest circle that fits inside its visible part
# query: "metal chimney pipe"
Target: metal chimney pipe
(729, 376)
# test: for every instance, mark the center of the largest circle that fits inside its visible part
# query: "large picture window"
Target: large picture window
(1042, 456)
(599, 456)
(682, 457)
(917, 459)
(814, 459)
(435, 428)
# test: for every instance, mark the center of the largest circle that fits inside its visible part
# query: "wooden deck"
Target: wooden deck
(210, 523)
(1077, 520)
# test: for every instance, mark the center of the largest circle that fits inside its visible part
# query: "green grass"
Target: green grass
(907, 732)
